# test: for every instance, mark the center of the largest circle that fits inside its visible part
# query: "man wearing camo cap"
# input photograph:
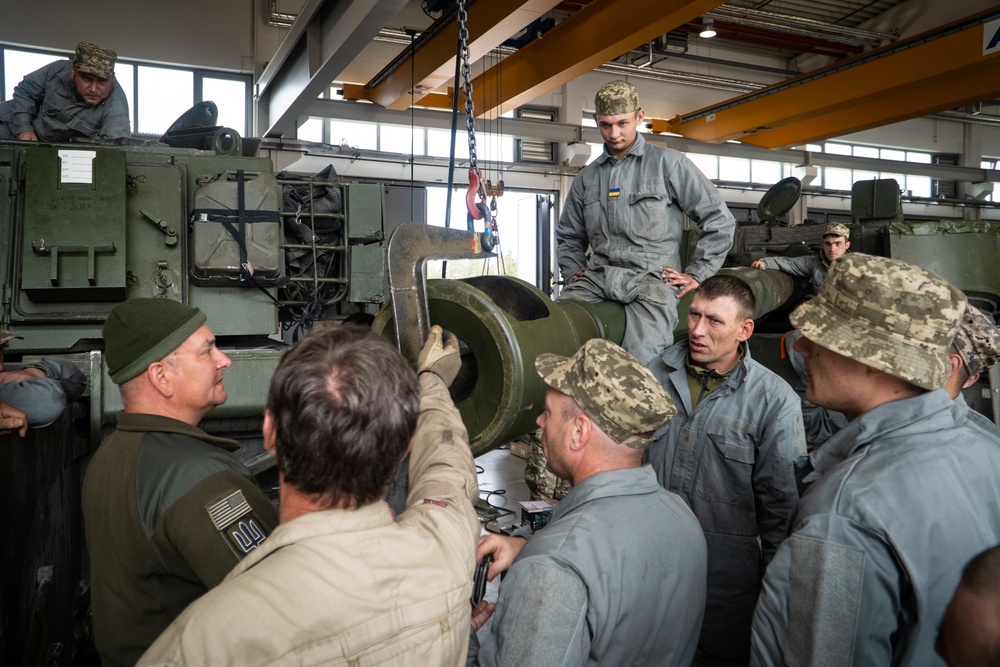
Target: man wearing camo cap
(836, 241)
(819, 423)
(906, 493)
(69, 99)
(617, 576)
(974, 351)
(629, 207)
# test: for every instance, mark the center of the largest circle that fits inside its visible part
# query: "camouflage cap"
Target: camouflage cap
(837, 229)
(7, 336)
(92, 59)
(618, 393)
(977, 341)
(887, 314)
(615, 98)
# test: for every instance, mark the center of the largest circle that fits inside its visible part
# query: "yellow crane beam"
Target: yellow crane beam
(943, 69)
(432, 63)
(601, 31)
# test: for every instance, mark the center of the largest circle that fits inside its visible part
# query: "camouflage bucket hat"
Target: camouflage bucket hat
(977, 341)
(837, 229)
(7, 336)
(615, 98)
(92, 59)
(887, 314)
(617, 392)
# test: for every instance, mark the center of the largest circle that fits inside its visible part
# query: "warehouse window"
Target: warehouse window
(833, 178)
(157, 95)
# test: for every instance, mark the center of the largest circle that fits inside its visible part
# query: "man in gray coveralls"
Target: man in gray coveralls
(730, 453)
(617, 576)
(906, 493)
(68, 99)
(629, 207)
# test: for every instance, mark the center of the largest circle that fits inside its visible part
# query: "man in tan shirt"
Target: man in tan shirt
(341, 580)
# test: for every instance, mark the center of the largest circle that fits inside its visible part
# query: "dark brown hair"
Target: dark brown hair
(721, 285)
(344, 403)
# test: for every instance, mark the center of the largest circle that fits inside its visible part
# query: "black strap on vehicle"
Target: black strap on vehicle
(243, 217)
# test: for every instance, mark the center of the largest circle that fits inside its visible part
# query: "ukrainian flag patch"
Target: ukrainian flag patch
(614, 192)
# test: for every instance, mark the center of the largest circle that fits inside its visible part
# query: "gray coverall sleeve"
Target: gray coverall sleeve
(571, 233)
(27, 100)
(830, 597)
(116, 123)
(540, 619)
(701, 201)
(44, 400)
(73, 381)
(775, 491)
(793, 266)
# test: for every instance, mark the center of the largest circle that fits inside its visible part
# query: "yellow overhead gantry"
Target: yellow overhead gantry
(945, 68)
(594, 35)
(433, 55)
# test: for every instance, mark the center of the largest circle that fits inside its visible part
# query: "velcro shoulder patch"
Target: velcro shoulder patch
(233, 517)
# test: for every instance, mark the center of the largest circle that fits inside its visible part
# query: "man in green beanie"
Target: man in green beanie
(67, 99)
(168, 510)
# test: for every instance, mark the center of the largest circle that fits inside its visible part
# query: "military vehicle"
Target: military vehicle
(200, 219)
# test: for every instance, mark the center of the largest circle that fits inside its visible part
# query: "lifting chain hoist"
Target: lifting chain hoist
(478, 210)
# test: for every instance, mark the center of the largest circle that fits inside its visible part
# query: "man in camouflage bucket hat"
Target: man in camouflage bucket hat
(68, 99)
(730, 454)
(621, 558)
(628, 209)
(906, 493)
(976, 347)
(975, 350)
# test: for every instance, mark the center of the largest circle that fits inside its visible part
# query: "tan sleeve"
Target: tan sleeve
(441, 465)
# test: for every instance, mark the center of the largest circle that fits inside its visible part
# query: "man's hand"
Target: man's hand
(685, 281)
(758, 264)
(26, 136)
(12, 419)
(504, 550)
(440, 355)
(481, 613)
(576, 275)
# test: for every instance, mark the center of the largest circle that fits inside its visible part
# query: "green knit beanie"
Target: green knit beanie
(141, 331)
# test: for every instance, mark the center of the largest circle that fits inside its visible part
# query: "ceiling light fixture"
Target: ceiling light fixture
(707, 29)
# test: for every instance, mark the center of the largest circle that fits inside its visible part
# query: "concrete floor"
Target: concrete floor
(501, 484)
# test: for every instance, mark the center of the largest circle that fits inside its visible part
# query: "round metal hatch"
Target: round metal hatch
(779, 198)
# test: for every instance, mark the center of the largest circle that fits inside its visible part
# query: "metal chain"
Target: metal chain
(470, 116)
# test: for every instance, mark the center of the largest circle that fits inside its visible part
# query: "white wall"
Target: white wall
(220, 34)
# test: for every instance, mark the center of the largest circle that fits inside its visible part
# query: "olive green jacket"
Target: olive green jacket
(168, 512)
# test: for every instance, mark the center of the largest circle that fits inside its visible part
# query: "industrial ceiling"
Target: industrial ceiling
(797, 71)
